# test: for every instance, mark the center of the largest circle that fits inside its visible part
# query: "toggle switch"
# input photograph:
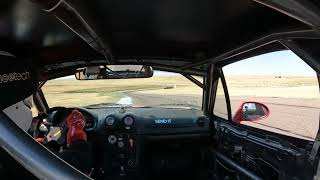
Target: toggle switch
(131, 143)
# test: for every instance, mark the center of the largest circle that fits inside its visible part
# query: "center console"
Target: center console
(151, 143)
(121, 142)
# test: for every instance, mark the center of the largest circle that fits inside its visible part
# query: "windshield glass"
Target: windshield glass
(164, 89)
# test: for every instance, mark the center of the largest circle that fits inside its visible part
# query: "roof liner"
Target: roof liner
(187, 30)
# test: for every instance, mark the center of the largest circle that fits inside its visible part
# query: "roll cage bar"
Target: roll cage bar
(33, 156)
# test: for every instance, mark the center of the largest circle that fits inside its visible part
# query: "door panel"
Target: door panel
(264, 155)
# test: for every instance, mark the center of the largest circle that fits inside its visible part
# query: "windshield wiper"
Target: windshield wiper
(179, 105)
(101, 105)
(170, 105)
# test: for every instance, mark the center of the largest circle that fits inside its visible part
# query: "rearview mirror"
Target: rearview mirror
(114, 72)
(251, 111)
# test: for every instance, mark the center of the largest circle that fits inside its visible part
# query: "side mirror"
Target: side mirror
(251, 111)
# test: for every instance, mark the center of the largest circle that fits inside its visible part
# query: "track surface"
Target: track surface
(293, 117)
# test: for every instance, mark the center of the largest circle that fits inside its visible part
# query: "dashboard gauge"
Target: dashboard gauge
(112, 139)
(110, 121)
(128, 121)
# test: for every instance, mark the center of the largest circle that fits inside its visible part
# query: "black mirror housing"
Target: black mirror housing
(114, 72)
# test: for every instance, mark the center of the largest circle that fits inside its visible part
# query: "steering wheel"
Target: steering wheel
(56, 125)
(36, 131)
(56, 137)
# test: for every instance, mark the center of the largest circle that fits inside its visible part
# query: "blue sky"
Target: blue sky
(284, 63)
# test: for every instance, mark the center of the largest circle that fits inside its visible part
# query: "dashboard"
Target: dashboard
(121, 135)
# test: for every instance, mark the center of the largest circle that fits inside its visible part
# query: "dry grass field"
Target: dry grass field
(72, 92)
(270, 86)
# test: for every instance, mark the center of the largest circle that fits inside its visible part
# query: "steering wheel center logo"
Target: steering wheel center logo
(162, 121)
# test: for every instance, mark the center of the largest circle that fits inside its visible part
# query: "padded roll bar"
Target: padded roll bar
(237, 167)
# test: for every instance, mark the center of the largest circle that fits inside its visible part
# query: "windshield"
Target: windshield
(164, 89)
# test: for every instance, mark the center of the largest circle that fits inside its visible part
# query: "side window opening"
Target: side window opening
(34, 110)
(220, 104)
(284, 84)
